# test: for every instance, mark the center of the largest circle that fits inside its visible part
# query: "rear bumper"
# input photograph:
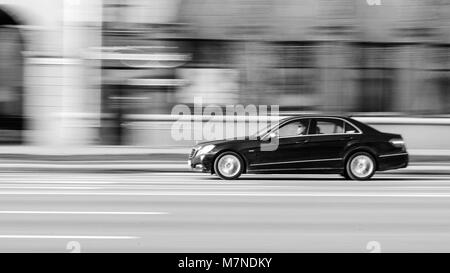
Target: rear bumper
(393, 161)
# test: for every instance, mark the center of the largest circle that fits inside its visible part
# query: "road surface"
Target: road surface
(189, 212)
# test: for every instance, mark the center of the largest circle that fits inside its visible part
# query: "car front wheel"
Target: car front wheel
(228, 166)
(360, 166)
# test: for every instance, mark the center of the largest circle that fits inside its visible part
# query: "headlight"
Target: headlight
(205, 149)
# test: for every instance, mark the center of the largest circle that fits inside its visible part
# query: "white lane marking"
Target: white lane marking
(409, 178)
(236, 187)
(112, 237)
(44, 181)
(90, 162)
(124, 183)
(175, 176)
(49, 188)
(429, 163)
(420, 187)
(205, 178)
(216, 187)
(446, 195)
(103, 175)
(277, 182)
(84, 212)
(219, 185)
(424, 168)
(97, 166)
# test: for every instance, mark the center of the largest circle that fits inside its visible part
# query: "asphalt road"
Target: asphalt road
(176, 212)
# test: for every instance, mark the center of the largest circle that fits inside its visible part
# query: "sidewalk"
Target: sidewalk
(154, 159)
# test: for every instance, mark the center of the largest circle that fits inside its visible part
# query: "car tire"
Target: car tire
(360, 166)
(228, 166)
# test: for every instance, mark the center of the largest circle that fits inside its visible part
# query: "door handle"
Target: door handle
(302, 141)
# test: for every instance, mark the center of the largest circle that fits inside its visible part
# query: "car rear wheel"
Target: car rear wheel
(228, 166)
(360, 166)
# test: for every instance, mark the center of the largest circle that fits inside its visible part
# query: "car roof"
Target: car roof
(316, 116)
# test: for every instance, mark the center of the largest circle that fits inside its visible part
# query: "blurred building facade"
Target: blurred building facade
(46, 82)
(89, 67)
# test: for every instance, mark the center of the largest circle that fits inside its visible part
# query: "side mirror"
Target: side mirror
(268, 137)
(272, 135)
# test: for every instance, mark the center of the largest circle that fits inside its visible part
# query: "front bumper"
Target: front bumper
(203, 163)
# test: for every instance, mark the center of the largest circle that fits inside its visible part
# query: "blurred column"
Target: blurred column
(56, 98)
(338, 86)
(11, 81)
(140, 55)
(80, 108)
(409, 61)
(334, 30)
(417, 34)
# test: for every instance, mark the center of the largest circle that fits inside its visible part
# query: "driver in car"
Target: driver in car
(301, 130)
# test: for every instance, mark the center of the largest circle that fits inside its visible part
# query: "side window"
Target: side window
(328, 127)
(350, 129)
(294, 128)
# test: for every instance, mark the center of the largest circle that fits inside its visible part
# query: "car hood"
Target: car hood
(223, 141)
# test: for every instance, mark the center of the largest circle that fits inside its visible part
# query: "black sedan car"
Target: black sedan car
(302, 144)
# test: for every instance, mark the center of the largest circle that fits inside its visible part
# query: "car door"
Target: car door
(288, 153)
(328, 140)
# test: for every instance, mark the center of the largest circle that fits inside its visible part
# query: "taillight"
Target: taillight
(398, 142)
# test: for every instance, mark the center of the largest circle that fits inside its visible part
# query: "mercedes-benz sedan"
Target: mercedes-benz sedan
(319, 144)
